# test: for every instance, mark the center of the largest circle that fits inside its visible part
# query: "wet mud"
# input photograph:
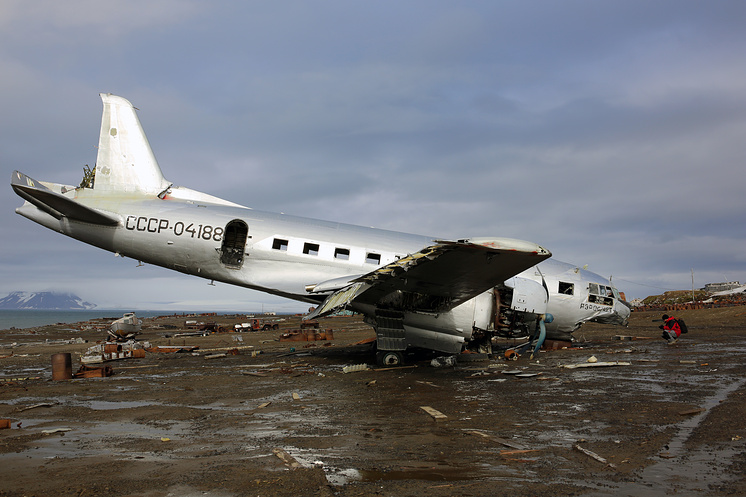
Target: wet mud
(288, 421)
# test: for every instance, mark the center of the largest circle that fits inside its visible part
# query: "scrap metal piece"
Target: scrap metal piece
(286, 458)
(86, 371)
(355, 368)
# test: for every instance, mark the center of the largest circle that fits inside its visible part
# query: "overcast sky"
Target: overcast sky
(611, 132)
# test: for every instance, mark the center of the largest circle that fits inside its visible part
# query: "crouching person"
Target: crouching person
(671, 328)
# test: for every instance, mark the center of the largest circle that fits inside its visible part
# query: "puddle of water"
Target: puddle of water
(95, 440)
(106, 405)
(685, 470)
(437, 473)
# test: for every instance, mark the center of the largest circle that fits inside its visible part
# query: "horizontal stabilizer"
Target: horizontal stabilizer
(56, 204)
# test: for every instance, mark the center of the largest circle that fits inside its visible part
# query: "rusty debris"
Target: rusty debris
(306, 335)
(62, 368)
(86, 371)
(111, 351)
(170, 349)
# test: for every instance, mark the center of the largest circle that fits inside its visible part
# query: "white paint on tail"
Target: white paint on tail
(125, 162)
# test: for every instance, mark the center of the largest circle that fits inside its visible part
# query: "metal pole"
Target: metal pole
(692, 285)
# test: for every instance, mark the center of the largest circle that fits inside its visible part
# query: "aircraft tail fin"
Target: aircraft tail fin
(125, 162)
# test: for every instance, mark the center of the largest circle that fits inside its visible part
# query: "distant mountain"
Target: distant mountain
(44, 300)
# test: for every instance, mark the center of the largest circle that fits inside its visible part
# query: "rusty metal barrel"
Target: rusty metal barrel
(110, 348)
(62, 366)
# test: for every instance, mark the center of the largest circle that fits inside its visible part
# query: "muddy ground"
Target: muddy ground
(289, 422)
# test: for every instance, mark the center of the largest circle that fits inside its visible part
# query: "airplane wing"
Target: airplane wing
(56, 204)
(435, 279)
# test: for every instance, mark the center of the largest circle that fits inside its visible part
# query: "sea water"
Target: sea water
(31, 318)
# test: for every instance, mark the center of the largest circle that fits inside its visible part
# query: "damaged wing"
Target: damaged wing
(435, 279)
(56, 204)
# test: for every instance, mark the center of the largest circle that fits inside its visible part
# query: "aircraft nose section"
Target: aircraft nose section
(617, 315)
(622, 312)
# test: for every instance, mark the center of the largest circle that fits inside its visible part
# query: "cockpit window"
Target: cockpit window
(600, 294)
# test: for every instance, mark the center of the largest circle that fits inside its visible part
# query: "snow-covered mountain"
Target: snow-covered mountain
(44, 300)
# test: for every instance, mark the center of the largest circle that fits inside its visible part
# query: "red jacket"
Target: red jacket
(672, 325)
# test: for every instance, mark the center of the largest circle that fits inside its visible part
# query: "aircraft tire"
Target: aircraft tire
(389, 358)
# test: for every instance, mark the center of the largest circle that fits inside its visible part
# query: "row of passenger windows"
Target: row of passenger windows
(341, 254)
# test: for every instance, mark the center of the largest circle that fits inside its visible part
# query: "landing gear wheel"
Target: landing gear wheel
(389, 358)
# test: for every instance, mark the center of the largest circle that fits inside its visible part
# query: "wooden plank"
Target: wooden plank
(593, 455)
(437, 415)
(514, 452)
(499, 440)
(45, 404)
(395, 368)
(595, 364)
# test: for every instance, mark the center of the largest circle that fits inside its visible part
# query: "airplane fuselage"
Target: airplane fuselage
(284, 254)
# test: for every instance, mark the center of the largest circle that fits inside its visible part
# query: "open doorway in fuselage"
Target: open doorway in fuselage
(234, 243)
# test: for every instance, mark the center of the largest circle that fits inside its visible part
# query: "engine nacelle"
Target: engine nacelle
(528, 295)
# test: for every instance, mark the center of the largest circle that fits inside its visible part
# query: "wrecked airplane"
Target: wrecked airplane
(416, 291)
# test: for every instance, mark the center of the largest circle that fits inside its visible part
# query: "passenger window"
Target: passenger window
(311, 248)
(372, 258)
(280, 244)
(566, 288)
(342, 253)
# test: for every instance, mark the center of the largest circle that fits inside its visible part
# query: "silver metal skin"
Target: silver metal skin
(417, 291)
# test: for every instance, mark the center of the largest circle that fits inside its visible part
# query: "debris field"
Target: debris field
(204, 412)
